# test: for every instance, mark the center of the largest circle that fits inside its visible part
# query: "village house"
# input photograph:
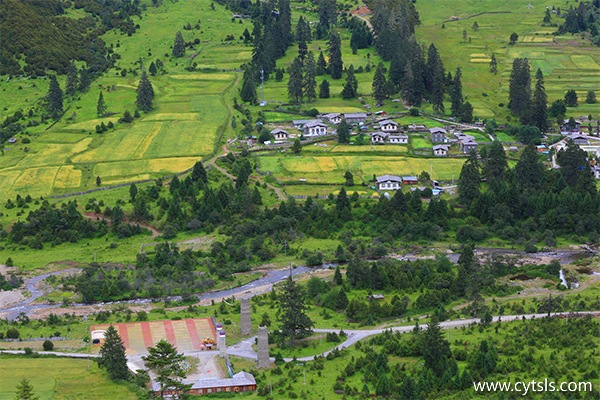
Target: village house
(334, 118)
(410, 180)
(568, 127)
(388, 126)
(240, 382)
(579, 140)
(596, 171)
(388, 182)
(315, 128)
(379, 137)
(417, 128)
(280, 134)
(398, 139)
(299, 123)
(468, 144)
(438, 135)
(355, 118)
(440, 150)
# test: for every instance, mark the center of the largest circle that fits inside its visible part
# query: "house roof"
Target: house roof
(304, 121)
(387, 122)
(279, 130)
(440, 147)
(355, 115)
(399, 136)
(437, 130)
(331, 115)
(314, 123)
(384, 134)
(240, 379)
(385, 178)
(410, 178)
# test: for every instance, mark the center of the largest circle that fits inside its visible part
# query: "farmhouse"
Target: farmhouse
(388, 182)
(388, 126)
(438, 135)
(334, 118)
(280, 134)
(240, 382)
(399, 139)
(570, 126)
(440, 150)
(299, 123)
(315, 128)
(417, 128)
(468, 144)
(356, 118)
(579, 140)
(409, 180)
(379, 137)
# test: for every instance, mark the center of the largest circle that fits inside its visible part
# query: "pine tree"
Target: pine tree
(54, 99)
(168, 365)
(513, 38)
(324, 89)
(302, 50)
(495, 164)
(590, 98)
(571, 99)
(152, 69)
(435, 349)
(85, 79)
(519, 89)
(529, 171)
(101, 107)
(466, 112)
(321, 65)
(337, 276)
(112, 355)
(178, 45)
(539, 104)
(469, 182)
(199, 173)
(397, 68)
(379, 84)
(351, 86)
(297, 146)
(145, 93)
(248, 90)
(310, 83)
(25, 391)
(493, 65)
(303, 31)
(435, 82)
(295, 324)
(343, 132)
(295, 83)
(335, 55)
(456, 96)
(72, 81)
(98, 180)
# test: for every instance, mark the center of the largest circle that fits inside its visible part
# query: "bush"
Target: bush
(414, 112)
(48, 345)
(28, 351)
(12, 333)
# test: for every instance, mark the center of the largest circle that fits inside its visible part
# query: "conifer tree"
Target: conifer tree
(435, 349)
(539, 104)
(335, 55)
(590, 98)
(495, 164)
(456, 95)
(493, 64)
(54, 98)
(321, 65)
(303, 31)
(379, 84)
(397, 68)
(295, 323)
(199, 173)
(310, 83)
(152, 69)
(343, 132)
(101, 106)
(145, 93)
(85, 79)
(519, 89)
(25, 391)
(469, 182)
(178, 45)
(466, 112)
(297, 146)
(571, 99)
(248, 90)
(351, 87)
(112, 355)
(168, 365)
(72, 81)
(295, 92)
(324, 89)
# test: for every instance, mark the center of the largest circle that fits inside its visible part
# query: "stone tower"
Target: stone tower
(245, 320)
(263, 347)
(221, 343)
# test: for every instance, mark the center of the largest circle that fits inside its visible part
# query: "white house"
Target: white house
(315, 128)
(334, 118)
(388, 126)
(388, 182)
(299, 123)
(379, 137)
(280, 134)
(441, 150)
(596, 171)
(398, 139)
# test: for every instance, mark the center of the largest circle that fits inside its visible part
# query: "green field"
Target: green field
(59, 378)
(331, 168)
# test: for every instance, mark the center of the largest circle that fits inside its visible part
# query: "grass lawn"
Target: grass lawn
(59, 378)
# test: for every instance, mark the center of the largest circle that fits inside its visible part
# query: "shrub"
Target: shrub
(48, 345)
(12, 333)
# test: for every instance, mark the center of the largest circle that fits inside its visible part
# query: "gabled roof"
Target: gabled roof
(332, 115)
(385, 178)
(355, 115)
(437, 130)
(441, 147)
(387, 122)
(410, 178)
(314, 123)
(399, 136)
(242, 378)
(384, 134)
(279, 130)
(304, 121)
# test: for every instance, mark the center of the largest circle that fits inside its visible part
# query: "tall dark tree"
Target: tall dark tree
(112, 355)
(284, 25)
(495, 164)
(435, 349)
(571, 99)
(295, 323)
(178, 45)
(152, 69)
(469, 182)
(519, 89)
(435, 82)
(248, 90)
(321, 65)
(343, 132)
(335, 55)
(25, 391)
(539, 104)
(199, 173)
(303, 31)
(327, 17)
(54, 98)
(574, 167)
(72, 81)
(397, 68)
(145, 93)
(590, 97)
(529, 171)
(469, 272)
(456, 95)
(410, 93)
(466, 112)
(168, 365)
(101, 106)
(380, 84)
(295, 84)
(85, 79)
(513, 38)
(324, 89)
(493, 64)
(309, 79)
(350, 89)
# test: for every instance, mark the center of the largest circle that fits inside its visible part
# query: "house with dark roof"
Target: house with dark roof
(315, 128)
(379, 137)
(388, 126)
(299, 123)
(388, 182)
(334, 118)
(280, 134)
(438, 135)
(579, 140)
(410, 180)
(355, 118)
(240, 382)
(440, 150)
(569, 127)
(468, 144)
